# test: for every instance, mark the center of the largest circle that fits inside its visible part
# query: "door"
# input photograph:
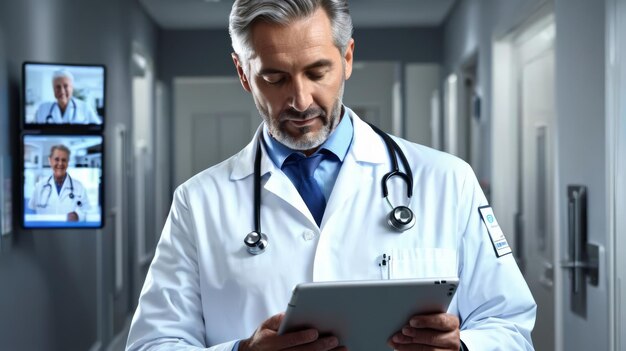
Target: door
(371, 91)
(583, 59)
(215, 118)
(422, 118)
(537, 118)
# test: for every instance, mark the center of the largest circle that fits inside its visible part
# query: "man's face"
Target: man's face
(63, 89)
(296, 76)
(58, 163)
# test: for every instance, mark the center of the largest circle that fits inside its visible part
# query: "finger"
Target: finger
(413, 347)
(436, 338)
(439, 321)
(417, 347)
(273, 323)
(400, 338)
(326, 343)
(293, 339)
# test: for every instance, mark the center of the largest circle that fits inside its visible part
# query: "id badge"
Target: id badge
(498, 240)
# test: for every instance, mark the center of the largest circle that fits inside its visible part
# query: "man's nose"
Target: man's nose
(301, 95)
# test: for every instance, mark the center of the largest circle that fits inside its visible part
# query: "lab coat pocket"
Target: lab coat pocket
(423, 263)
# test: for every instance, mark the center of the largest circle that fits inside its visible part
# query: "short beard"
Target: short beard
(306, 140)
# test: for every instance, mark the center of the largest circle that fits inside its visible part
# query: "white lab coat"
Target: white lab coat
(204, 290)
(59, 203)
(85, 114)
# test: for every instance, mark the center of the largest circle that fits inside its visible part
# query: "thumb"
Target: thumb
(273, 323)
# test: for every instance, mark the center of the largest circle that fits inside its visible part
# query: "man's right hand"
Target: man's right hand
(266, 338)
(72, 217)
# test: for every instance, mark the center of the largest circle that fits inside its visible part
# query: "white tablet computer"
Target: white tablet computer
(364, 314)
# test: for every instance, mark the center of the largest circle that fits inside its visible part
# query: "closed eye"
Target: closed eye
(316, 75)
(273, 78)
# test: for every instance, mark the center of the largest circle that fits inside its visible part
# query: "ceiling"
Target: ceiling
(202, 14)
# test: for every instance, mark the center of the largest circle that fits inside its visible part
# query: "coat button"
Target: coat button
(309, 235)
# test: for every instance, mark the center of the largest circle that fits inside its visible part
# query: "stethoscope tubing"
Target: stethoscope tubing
(257, 188)
(256, 241)
(50, 119)
(393, 148)
(49, 186)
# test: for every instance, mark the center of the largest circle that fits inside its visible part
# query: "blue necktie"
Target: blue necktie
(308, 188)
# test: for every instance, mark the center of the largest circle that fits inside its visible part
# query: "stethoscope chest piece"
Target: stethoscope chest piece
(255, 242)
(401, 218)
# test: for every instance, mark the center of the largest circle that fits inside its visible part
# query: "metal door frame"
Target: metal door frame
(616, 166)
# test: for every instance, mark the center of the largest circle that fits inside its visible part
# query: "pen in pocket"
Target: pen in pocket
(384, 263)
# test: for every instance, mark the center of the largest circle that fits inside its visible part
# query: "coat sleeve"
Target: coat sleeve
(169, 315)
(496, 308)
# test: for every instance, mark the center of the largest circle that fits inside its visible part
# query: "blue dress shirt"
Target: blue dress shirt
(336, 145)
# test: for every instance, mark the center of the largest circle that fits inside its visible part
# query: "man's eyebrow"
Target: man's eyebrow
(316, 64)
(319, 64)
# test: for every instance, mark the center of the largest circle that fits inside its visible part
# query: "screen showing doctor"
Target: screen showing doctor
(64, 94)
(64, 191)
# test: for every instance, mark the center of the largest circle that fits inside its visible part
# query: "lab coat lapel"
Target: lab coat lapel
(366, 151)
(278, 184)
(55, 197)
(66, 189)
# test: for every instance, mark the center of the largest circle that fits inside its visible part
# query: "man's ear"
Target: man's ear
(241, 72)
(348, 56)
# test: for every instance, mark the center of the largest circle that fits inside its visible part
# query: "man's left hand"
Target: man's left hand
(428, 333)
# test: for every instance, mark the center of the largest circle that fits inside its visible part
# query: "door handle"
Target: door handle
(590, 266)
(583, 261)
(547, 277)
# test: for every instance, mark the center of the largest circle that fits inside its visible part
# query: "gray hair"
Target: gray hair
(60, 147)
(62, 73)
(247, 12)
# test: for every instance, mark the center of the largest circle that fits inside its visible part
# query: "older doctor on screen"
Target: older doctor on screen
(66, 108)
(60, 194)
(318, 169)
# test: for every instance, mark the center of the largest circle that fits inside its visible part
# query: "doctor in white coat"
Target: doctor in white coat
(66, 108)
(60, 194)
(204, 288)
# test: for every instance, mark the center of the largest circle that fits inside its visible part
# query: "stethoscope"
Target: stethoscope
(49, 187)
(401, 218)
(50, 119)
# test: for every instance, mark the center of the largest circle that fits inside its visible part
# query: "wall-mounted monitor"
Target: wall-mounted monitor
(61, 95)
(62, 181)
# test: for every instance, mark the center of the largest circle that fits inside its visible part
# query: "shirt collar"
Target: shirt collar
(337, 143)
